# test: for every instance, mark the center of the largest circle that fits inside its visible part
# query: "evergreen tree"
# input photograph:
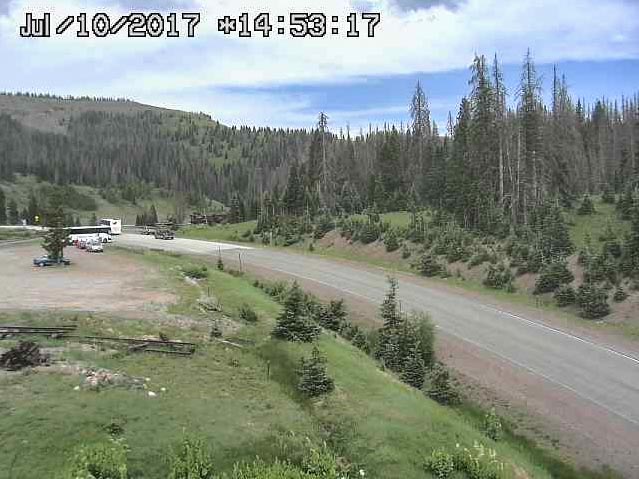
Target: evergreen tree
(389, 349)
(14, 216)
(94, 220)
(413, 369)
(56, 237)
(314, 381)
(587, 207)
(630, 259)
(438, 385)
(3, 208)
(153, 215)
(293, 323)
(33, 209)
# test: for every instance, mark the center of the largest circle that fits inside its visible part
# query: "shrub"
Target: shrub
(592, 301)
(479, 462)
(440, 464)
(195, 272)
(587, 207)
(100, 461)
(220, 263)
(190, 461)
(620, 295)
(405, 252)
(314, 380)
(492, 425)
(600, 268)
(429, 266)
(438, 385)
(565, 296)
(369, 232)
(498, 276)
(247, 314)
(552, 276)
(391, 241)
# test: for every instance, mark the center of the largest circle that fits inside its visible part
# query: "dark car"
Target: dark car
(46, 261)
(164, 234)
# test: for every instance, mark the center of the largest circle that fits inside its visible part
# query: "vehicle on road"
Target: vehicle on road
(46, 261)
(77, 233)
(94, 246)
(164, 234)
(147, 231)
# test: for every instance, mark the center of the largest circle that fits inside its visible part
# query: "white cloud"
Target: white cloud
(199, 71)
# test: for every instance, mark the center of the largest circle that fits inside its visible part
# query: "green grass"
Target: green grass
(17, 234)
(227, 232)
(594, 225)
(222, 394)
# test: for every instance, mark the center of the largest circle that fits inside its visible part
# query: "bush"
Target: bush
(565, 296)
(552, 276)
(429, 266)
(247, 314)
(620, 295)
(391, 241)
(440, 464)
(220, 263)
(479, 462)
(195, 272)
(190, 461)
(100, 461)
(587, 207)
(438, 385)
(369, 232)
(492, 425)
(498, 276)
(592, 301)
(405, 252)
(600, 268)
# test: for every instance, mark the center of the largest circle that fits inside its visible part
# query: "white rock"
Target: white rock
(152, 394)
(77, 388)
(163, 390)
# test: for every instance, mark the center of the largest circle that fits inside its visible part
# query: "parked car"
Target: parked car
(164, 234)
(46, 261)
(95, 247)
(147, 231)
(82, 243)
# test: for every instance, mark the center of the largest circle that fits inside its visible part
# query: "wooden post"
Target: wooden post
(239, 255)
(268, 369)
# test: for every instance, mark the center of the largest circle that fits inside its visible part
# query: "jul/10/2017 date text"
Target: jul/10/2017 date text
(173, 25)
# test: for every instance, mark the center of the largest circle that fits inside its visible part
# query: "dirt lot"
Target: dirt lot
(106, 282)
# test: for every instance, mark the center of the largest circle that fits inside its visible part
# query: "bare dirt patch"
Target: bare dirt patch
(101, 282)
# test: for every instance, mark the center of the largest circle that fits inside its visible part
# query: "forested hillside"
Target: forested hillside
(493, 163)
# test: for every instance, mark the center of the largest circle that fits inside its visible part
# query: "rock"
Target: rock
(163, 390)
(77, 388)
(151, 394)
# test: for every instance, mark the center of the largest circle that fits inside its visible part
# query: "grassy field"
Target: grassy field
(223, 395)
(227, 232)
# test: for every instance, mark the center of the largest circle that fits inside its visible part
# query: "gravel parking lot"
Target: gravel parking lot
(108, 282)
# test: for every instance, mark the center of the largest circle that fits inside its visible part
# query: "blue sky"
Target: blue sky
(285, 81)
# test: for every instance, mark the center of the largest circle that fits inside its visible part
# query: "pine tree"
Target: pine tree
(587, 207)
(389, 347)
(293, 323)
(94, 220)
(3, 208)
(314, 381)
(413, 369)
(438, 385)
(32, 210)
(153, 215)
(14, 216)
(56, 237)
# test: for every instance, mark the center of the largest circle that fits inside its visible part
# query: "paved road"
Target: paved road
(606, 378)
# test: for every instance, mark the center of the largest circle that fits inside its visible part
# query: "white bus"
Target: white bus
(103, 233)
(114, 223)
